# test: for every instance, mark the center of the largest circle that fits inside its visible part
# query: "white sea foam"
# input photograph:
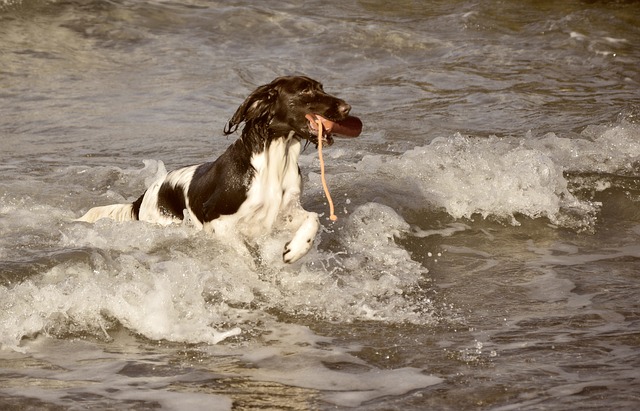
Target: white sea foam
(490, 177)
(178, 284)
(506, 177)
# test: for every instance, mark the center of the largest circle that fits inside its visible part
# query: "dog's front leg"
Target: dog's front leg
(307, 222)
(302, 240)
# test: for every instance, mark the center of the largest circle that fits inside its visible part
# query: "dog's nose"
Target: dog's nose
(344, 109)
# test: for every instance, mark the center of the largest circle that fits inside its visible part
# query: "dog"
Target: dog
(255, 185)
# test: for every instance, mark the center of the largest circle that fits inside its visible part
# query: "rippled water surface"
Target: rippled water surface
(487, 250)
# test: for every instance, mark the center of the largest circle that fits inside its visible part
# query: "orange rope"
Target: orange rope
(332, 216)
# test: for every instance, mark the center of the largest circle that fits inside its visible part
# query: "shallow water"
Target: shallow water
(486, 254)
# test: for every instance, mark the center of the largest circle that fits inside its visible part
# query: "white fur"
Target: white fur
(117, 212)
(149, 210)
(273, 196)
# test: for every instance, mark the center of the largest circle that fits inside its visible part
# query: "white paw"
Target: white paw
(302, 241)
(294, 250)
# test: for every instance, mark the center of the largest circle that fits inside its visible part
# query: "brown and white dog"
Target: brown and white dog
(255, 185)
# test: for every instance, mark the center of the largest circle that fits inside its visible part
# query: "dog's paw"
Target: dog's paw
(294, 251)
(302, 241)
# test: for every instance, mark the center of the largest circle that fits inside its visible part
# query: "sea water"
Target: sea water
(486, 253)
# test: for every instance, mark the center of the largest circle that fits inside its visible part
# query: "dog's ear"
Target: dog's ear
(260, 105)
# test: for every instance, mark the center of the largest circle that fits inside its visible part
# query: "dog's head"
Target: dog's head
(295, 104)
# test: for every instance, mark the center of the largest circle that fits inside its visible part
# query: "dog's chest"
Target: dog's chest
(275, 183)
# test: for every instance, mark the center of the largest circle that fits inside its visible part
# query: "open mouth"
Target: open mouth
(350, 126)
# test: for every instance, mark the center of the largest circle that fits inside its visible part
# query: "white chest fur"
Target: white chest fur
(276, 185)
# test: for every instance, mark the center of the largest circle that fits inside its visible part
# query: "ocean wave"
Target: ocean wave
(176, 284)
(508, 177)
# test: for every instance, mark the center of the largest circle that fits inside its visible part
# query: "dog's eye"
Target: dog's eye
(307, 91)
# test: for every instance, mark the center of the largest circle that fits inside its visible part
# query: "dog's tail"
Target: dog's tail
(117, 212)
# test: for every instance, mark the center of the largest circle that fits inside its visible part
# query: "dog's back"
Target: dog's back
(117, 212)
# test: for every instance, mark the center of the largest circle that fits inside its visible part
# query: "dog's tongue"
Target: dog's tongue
(349, 127)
